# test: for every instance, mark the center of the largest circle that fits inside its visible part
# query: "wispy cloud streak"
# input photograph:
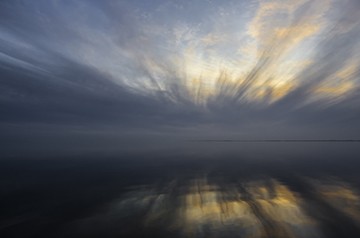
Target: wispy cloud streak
(180, 64)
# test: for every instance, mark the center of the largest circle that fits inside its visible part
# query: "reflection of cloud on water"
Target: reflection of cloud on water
(339, 195)
(202, 207)
(282, 210)
(209, 209)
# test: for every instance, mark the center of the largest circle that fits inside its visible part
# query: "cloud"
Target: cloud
(275, 66)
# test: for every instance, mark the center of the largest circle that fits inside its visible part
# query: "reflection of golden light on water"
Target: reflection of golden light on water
(270, 209)
(340, 196)
(284, 210)
(260, 208)
(205, 206)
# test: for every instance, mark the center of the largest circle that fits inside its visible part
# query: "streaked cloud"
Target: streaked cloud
(209, 63)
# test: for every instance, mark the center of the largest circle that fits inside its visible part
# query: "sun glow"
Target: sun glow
(262, 58)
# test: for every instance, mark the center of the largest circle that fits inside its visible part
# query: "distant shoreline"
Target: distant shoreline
(278, 140)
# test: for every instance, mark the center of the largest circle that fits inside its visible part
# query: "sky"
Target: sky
(80, 73)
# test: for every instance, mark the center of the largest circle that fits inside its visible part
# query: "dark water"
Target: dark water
(188, 189)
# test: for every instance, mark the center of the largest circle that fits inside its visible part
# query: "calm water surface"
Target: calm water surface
(187, 189)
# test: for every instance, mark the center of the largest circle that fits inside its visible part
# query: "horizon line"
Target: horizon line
(276, 140)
